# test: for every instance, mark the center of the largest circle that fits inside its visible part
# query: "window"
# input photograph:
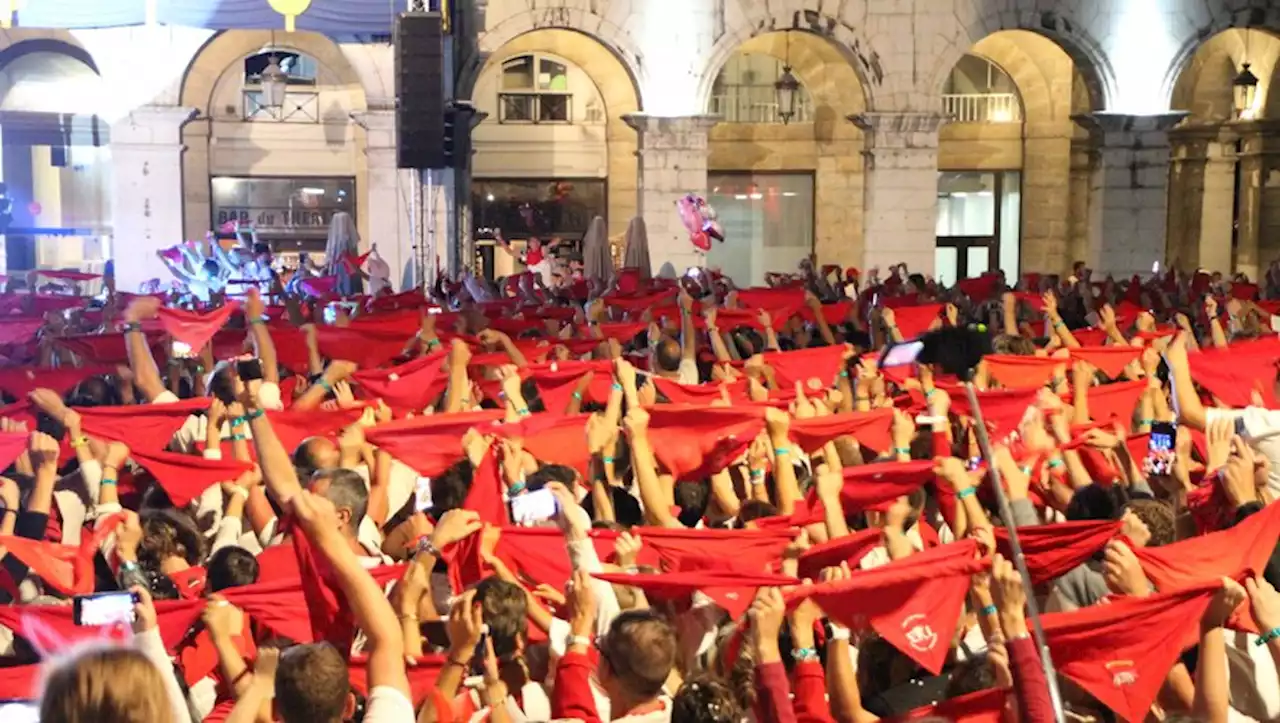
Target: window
(289, 213)
(744, 92)
(546, 208)
(301, 102)
(534, 89)
(979, 91)
(979, 225)
(301, 69)
(767, 220)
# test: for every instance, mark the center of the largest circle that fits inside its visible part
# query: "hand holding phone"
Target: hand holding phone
(249, 370)
(1161, 448)
(534, 507)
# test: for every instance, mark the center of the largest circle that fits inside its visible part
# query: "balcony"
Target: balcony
(982, 107)
(757, 104)
(300, 106)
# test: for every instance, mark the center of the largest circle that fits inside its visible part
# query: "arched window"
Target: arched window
(744, 91)
(535, 89)
(979, 91)
(301, 101)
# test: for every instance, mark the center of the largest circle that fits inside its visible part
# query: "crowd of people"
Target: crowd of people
(641, 499)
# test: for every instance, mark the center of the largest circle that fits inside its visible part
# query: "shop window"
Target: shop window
(744, 91)
(979, 91)
(535, 89)
(979, 225)
(527, 208)
(291, 214)
(767, 220)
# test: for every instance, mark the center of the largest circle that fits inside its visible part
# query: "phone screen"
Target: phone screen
(107, 608)
(19, 711)
(422, 494)
(534, 507)
(1160, 448)
(181, 350)
(249, 369)
(330, 314)
(901, 354)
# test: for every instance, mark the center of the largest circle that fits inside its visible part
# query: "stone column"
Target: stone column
(1128, 211)
(1249, 207)
(672, 161)
(387, 200)
(1083, 161)
(1217, 206)
(1046, 172)
(146, 204)
(900, 189)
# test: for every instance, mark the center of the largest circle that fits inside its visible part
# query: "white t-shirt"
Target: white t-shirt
(388, 705)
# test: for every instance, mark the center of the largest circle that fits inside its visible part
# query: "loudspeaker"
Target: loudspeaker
(420, 89)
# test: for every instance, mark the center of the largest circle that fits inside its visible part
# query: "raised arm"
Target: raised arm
(146, 375)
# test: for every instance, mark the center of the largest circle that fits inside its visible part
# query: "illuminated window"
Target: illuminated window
(979, 91)
(534, 89)
(744, 91)
(301, 69)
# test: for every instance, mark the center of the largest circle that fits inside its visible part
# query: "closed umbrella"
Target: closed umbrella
(637, 254)
(597, 264)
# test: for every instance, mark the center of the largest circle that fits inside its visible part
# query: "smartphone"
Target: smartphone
(422, 494)
(330, 314)
(901, 354)
(104, 608)
(435, 311)
(19, 711)
(249, 370)
(180, 350)
(1160, 448)
(534, 507)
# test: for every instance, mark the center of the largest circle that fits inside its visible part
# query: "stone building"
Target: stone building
(955, 135)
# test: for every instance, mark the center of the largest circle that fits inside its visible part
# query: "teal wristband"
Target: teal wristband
(616, 387)
(255, 414)
(238, 421)
(433, 343)
(578, 396)
(607, 460)
(804, 655)
(778, 451)
(1267, 637)
(966, 492)
(516, 488)
(1056, 463)
(902, 450)
(239, 437)
(1146, 422)
(523, 412)
(109, 481)
(989, 610)
(324, 384)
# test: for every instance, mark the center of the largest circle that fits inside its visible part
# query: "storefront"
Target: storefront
(767, 220)
(290, 214)
(532, 208)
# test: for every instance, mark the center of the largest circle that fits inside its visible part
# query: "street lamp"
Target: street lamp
(1245, 87)
(274, 82)
(787, 88)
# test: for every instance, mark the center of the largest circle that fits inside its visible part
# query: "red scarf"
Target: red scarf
(409, 387)
(678, 393)
(485, 496)
(368, 349)
(1115, 401)
(1001, 410)
(870, 485)
(732, 591)
(17, 331)
(816, 367)
(65, 568)
(552, 438)
(108, 348)
(185, 477)
(984, 706)
(1022, 372)
(870, 429)
(194, 328)
(142, 427)
(1110, 360)
(1120, 652)
(692, 442)
(430, 444)
(1052, 550)
(851, 549)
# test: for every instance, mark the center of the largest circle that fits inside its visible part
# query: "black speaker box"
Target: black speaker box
(420, 90)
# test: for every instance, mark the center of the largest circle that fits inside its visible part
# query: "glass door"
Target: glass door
(979, 224)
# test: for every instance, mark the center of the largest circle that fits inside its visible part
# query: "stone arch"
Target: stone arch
(764, 18)
(333, 146)
(233, 46)
(1203, 88)
(1069, 35)
(1221, 18)
(603, 30)
(47, 45)
(1031, 61)
(49, 40)
(614, 83)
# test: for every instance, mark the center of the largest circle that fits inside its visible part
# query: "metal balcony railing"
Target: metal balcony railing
(757, 104)
(982, 107)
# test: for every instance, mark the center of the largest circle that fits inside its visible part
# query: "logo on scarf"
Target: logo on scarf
(1122, 673)
(919, 635)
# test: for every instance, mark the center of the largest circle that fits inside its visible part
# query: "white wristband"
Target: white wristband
(839, 632)
(241, 492)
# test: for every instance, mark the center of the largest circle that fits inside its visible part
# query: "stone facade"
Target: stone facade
(1118, 166)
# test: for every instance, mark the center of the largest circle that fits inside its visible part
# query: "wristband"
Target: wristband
(578, 396)
(79, 442)
(902, 450)
(779, 451)
(108, 481)
(616, 387)
(1146, 422)
(324, 384)
(523, 412)
(257, 322)
(241, 492)
(966, 492)
(988, 611)
(450, 661)
(516, 488)
(424, 545)
(582, 640)
(804, 655)
(1272, 634)
(1056, 463)
(129, 566)
(132, 326)
(1059, 324)
(255, 414)
(239, 421)
(838, 632)
(607, 460)
(239, 437)
(433, 343)
(844, 374)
